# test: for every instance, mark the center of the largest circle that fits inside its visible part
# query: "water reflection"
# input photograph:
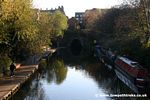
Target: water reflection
(31, 90)
(55, 70)
(78, 85)
(74, 78)
(36, 91)
(108, 81)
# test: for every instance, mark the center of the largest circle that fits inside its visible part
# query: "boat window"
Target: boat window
(135, 64)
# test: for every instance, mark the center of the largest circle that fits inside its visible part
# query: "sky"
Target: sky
(72, 6)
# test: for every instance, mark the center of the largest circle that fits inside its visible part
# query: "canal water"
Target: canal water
(69, 77)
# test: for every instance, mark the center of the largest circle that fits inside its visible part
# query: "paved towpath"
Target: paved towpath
(10, 85)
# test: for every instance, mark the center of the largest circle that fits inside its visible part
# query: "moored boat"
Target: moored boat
(105, 56)
(132, 70)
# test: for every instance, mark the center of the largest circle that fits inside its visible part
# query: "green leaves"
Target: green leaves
(59, 71)
(59, 23)
(16, 25)
(25, 29)
(15, 20)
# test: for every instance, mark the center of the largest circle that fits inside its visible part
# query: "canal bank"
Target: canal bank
(10, 85)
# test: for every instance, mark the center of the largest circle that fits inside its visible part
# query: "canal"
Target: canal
(68, 77)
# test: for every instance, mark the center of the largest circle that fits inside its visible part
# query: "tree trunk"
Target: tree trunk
(146, 7)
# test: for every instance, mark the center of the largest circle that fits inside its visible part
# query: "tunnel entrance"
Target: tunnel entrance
(76, 47)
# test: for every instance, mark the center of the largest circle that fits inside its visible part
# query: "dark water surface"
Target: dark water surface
(72, 78)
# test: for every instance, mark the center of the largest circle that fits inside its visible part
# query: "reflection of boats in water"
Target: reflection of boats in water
(131, 73)
(127, 81)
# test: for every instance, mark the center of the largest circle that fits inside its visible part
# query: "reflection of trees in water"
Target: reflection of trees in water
(54, 70)
(94, 69)
(100, 74)
(37, 92)
(106, 79)
(59, 71)
(31, 90)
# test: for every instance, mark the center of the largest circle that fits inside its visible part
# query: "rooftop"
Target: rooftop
(130, 62)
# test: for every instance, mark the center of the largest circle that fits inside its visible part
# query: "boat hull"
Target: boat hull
(127, 81)
(102, 56)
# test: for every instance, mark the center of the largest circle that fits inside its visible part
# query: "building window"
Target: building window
(77, 15)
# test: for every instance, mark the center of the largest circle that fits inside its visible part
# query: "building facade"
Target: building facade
(60, 8)
(50, 11)
(79, 17)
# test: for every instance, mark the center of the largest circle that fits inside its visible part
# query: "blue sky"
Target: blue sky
(72, 6)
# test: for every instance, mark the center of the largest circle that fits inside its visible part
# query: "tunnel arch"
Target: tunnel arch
(76, 46)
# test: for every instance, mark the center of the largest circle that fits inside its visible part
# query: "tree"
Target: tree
(143, 14)
(73, 24)
(16, 24)
(106, 23)
(146, 7)
(43, 35)
(59, 24)
(91, 17)
(127, 23)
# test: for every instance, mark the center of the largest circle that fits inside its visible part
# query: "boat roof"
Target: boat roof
(130, 62)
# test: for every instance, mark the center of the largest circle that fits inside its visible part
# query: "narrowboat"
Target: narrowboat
(99, 52)
(109, 59)
(131, 73)
(105, 56)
